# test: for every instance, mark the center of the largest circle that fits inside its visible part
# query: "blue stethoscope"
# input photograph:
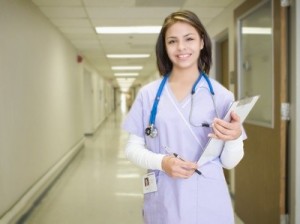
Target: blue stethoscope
(151, 130)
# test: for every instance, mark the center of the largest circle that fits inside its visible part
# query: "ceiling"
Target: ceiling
(77, 19)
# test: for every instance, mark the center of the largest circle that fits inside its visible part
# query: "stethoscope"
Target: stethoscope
(151, 130)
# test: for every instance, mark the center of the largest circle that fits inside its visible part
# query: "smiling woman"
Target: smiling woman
(181, 192)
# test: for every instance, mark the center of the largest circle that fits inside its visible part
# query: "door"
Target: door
(88, 103)
(261, 65)
(222, 75)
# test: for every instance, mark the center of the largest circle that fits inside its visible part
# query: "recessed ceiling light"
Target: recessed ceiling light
(126, 80)
(128, 55)
(127, 74)
(128, 29)
(127, 67)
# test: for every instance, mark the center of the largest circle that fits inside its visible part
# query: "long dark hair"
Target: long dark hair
(164, 64)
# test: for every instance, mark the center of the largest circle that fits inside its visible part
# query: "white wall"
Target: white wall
(101, 102)
(216, 28)
(41, 116)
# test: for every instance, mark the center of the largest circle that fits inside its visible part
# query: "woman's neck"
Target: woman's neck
(181, 82)
(184, 75)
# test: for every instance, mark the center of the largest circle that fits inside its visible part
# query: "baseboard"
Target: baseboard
(28, 200)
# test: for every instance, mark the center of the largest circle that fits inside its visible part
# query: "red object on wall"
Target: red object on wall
(79, 58)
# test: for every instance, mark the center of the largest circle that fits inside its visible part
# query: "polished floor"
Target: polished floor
(99, 187)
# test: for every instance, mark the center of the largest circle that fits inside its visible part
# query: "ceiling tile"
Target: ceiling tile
(83, 22)
(105, 3)
(57, 2)
(207, 3)
(127, 13)
(160, 3)
(64, 12)
(79, 30)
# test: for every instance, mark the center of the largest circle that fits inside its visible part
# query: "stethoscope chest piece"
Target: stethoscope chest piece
(151, 131)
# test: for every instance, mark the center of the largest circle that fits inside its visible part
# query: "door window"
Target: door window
(255, 62)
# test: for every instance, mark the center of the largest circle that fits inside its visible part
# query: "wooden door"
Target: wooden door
(260, 179)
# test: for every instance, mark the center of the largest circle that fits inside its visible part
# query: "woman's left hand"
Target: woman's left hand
(227, 130)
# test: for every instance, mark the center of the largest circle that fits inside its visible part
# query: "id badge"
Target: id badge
(149, 183)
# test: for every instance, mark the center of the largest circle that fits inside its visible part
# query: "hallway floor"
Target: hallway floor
(100, 186)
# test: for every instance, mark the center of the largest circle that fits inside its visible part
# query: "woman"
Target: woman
(170, 123)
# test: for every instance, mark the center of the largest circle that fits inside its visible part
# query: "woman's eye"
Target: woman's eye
(189, 39)
(171, 41)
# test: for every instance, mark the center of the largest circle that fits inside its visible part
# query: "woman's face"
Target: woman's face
(183, 45)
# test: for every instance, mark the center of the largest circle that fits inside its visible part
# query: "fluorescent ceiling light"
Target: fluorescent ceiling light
(124, 89)
(128, 55)
(127, 67)
(126, 194)
(129, 175)
(125, 83)
(128, 29)
(256, 30)
(127, 80)
(127, 74)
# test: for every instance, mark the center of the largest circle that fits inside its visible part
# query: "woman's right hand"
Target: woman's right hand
(178, 168)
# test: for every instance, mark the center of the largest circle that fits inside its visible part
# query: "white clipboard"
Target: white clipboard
(214, 146)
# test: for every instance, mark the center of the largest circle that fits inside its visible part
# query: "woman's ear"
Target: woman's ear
(201, 43)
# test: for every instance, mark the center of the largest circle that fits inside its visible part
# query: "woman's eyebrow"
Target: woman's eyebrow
(189, 34)
(175, 37)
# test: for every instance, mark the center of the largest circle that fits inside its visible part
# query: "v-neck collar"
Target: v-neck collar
(182, 103)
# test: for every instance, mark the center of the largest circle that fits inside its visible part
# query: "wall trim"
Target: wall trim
(29, 199)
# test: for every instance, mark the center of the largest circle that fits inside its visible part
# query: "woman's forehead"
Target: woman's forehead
(180, 29)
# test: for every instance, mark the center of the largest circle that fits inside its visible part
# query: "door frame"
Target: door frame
(294, 140)
(219, 71)
(266, 208)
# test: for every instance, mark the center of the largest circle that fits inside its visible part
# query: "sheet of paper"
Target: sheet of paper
(214, 146)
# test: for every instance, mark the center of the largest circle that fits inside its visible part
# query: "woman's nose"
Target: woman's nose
(181, 45)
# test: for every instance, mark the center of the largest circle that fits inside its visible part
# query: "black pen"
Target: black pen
(177, 156)
(206, 125)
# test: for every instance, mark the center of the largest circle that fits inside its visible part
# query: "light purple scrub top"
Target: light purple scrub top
(200, 199)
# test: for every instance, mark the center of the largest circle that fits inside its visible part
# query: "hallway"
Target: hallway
(99, 186)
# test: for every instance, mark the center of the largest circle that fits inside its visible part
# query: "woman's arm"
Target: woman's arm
(232, 153)
(138, 154)
(231, 132)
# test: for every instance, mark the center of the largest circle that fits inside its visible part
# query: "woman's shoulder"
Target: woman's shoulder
(150, 87)
(218, 87)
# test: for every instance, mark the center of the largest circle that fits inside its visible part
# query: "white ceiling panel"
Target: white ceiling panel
(207, 3)
(79, 36)
(83, 22)
(79, 30)
(127, 21)
(58, 2)
(64, 12)
(204, 12)
(115, 3)
(128, 13)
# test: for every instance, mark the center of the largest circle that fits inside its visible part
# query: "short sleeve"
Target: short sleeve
(134, 120)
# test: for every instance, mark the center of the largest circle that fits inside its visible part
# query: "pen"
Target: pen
(206, 125)
(178, 157)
